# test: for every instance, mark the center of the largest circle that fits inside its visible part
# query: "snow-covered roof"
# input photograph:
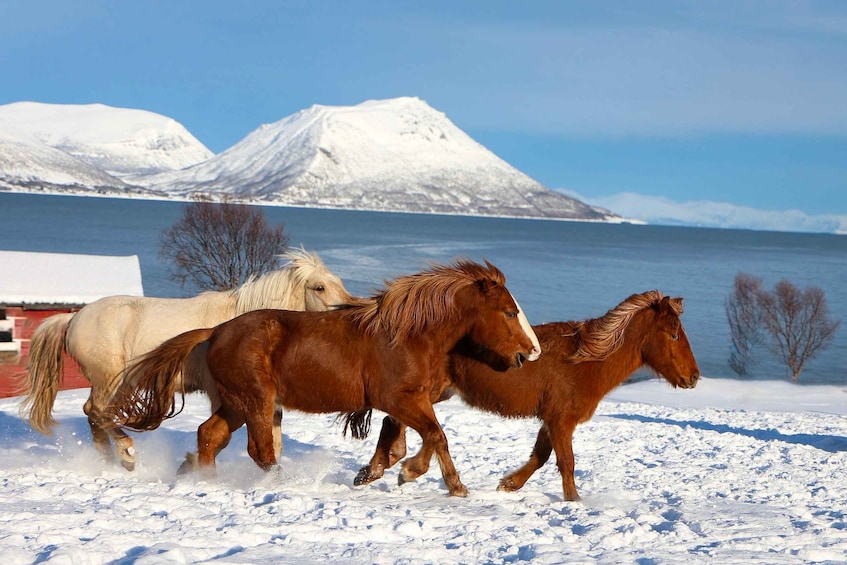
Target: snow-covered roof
(60, 278)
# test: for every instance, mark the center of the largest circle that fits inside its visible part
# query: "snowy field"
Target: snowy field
(730, 472)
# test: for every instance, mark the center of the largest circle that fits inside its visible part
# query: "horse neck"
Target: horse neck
(278, 289)
(619, 365)
(628, 358)
(444, 337)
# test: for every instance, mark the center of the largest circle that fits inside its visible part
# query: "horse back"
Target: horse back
(109, 332)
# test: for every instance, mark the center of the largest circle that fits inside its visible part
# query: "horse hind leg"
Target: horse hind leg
(213, 436)
(261, 436)
(540, 454)
(99, 433)
(125, 446)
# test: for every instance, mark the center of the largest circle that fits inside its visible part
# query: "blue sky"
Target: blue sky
(738, 102)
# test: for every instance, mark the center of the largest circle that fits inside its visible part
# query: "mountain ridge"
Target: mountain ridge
(392, 155)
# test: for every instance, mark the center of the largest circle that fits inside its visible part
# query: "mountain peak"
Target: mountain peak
(119, 141)
(398, 154)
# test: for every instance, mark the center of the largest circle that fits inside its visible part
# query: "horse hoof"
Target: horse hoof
(461, 492)
(189, 465)
(128, 465)
(363, 477)
(507, 485)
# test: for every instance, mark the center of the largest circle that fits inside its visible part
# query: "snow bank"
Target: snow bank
(729, 472)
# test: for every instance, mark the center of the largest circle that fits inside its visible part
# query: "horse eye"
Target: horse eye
(319, 288)
(674, 337)
(511, 314)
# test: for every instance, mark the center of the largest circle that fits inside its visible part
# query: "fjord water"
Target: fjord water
(557, 270)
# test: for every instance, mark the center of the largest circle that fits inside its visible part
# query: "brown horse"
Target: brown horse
(583, 362)
(384, 352)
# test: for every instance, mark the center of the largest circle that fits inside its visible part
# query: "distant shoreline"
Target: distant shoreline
(252, 202)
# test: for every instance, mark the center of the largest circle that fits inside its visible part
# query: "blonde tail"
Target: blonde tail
(45, 371)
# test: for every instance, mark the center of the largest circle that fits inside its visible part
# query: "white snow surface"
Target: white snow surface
(66, 278)
(118, 141)
(730, 472)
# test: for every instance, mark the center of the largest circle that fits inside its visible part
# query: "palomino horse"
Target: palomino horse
(381, 352)
(583, 362)
(104, 335)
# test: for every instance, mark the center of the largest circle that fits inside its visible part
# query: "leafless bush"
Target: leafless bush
(218, 246)
(744, 317)
(793, 324)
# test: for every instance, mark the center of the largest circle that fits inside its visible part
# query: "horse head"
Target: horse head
(322, 289)
(666, 348)
(502, 327)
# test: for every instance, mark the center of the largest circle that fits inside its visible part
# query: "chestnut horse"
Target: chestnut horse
(382, 352)
(583, 361)
(104, 335)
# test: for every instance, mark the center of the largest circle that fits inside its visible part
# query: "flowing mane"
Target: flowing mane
(411, 304)
(600, 337)
(261, 292)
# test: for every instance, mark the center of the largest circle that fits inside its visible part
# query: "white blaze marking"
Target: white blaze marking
(536, 347)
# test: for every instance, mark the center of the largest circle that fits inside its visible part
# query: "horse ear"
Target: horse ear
(665, 304)
(485, 285)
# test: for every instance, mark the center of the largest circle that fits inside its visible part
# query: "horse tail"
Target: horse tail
(45, 372)
(145, 395)
(359, 423)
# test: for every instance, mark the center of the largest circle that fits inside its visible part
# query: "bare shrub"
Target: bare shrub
(218, 246)
(744, 317)
(798, 323)
(793, 324)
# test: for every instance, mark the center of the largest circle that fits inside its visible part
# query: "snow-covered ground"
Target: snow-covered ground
(730, 472)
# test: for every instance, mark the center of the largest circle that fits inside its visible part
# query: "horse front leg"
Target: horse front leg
(562, 439)
(390, 448)
(539, 456)
(434, 441)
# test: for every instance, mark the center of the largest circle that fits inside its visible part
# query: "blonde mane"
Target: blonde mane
(410, 305)
(282, 288)
(600, 337)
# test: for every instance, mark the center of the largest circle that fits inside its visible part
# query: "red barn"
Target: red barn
(34, 286)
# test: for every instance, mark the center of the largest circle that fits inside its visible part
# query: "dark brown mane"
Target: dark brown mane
(409, 305)
(598, 338)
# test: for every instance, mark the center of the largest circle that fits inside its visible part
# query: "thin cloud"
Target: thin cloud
(703, 213)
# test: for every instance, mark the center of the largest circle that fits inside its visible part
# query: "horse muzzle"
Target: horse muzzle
(534, 354)
(690, 382)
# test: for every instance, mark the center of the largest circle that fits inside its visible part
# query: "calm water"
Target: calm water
(557, 270)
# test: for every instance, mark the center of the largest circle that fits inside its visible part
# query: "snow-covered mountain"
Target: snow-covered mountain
(26, 163)
(119, 141)
(397, 154)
